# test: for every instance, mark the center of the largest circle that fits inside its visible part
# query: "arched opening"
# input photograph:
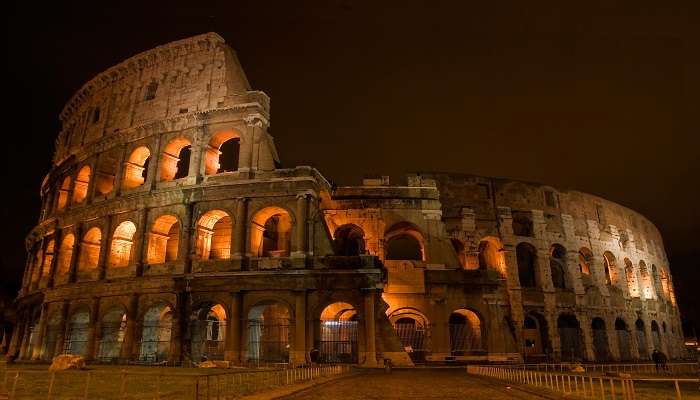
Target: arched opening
(106, 171)
(623, 340)
(557, 266)
(665, 287)
(338, 334)
(641, 340)
(609, 262)
(491, 255)
(164, 239)
(585, 257)
(65, 255)
(77, 334)
(112, 329)
(271, 232)
(522, 223)
(526, 256)
(82, 181)
(221, 155)
(37, 260)
(349, 240)
(214, 236)
(656, 336)
(90, 251)
(458, 246)
(33, 332)
(122, 242)
(631, 277)
(268, 333)
(413, 330)
(465, 332)
(63, 191)
(48, 259)
(155, 336)
(535, 336)
(208, 329)
(404, 241)
(136, 168)
(175, 162)
(600, 340)
(570, 337)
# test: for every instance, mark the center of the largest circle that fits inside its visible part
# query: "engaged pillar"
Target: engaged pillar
(370, 330)
(298, 355)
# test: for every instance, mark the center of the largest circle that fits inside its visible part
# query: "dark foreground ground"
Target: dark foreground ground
(412, 384)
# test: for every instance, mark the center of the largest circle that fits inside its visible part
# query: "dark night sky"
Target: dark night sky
(601, 98)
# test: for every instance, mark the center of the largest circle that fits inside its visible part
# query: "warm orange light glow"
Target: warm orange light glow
(122, 242)
(65, 254)
(338, 312)
(90, 250)
(170, 158)
(164, 239)
(490, 255)
(214, 236)
(270, 232)
(106, 171)
(81, 184)
(134, 168)
(63, 193)
(212, 152)
(48, 258)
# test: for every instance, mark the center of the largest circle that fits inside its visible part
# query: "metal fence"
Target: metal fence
(123, 384)
(638, 368)
(593, 387)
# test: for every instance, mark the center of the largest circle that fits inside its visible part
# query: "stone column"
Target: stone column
(141, 242)
(73, 271)
(24, 347)
(370, 330)
(239, 237)
(38, 340)
(300, 247)
(15, 342)
(233, 334)
(188, 235)
(54, 261)
(128, 346)
(298, 355)
(105, 248)
(587, 332)
(613, 345)
(178, 329)
(93, 329)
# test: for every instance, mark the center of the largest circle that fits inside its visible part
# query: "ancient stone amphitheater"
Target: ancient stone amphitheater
(170, 234)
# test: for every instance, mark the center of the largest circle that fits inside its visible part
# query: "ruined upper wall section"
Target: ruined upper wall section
(193, 75)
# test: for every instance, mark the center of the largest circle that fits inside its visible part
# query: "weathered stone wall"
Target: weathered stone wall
(153, 232)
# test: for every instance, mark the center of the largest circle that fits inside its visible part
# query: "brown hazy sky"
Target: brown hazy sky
(595, 96)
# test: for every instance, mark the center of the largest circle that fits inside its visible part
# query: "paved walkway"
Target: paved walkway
(438, 383)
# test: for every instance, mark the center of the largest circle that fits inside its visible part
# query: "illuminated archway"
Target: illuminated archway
(413, 329)
(338, 334)
(208, 327)
(491, 255)
(122, 242)
(585, 257)
(90, 250)
(610, 265)
(106, 171)
(77, 334)
(82, 181)
(164, 239)
(155, 336)
(65, 255)
(222, 152)
(631, 277)
(62, 200)
(214, 236)
(465, 332)
(175, 159)
(349, 240)
(48, 259)
(268, 332)
(112, 330)
(270, 233)
(404, 241)
(136, 168)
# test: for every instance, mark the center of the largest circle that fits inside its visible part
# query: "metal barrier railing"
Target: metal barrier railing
(587, 386)
(641, 368)
(123, 384)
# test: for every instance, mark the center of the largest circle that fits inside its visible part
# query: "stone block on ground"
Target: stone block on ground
(215, 364)
(67, 361)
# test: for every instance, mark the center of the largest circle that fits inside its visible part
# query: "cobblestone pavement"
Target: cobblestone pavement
(412, 384)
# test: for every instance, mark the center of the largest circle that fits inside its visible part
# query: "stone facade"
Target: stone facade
(170, 234)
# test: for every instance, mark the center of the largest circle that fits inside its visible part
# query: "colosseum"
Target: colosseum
(169, 233)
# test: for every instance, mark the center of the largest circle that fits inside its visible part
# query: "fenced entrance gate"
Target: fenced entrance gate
(111, 342)
(208, 340)
(414, 339)
(338, 343)
(77, 338)
(268, 340)
(155, 342)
